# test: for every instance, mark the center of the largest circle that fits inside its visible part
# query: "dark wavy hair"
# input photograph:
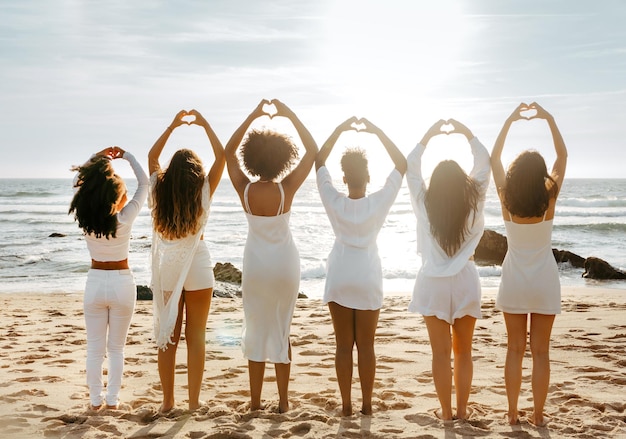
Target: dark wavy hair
(177, 196)
(354, 167)
(268, 154)
(99, 192)
(526, 194)
(450, 199)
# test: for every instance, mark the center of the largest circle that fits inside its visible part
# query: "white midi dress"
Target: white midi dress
(270, 283)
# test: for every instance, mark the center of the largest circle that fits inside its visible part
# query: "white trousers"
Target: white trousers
(108, 305)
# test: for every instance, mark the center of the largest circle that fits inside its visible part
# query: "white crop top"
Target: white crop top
(116, 249)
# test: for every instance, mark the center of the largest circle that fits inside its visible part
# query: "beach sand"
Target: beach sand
(43, 391)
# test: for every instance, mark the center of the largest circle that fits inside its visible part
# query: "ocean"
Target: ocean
(590, 221)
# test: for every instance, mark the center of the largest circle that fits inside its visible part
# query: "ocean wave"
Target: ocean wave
(598, 227)
(28, 194)
(592, 213)
(591, 202)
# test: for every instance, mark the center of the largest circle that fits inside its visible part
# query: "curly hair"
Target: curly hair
(526, 194)
(450, 199)
(354, 167)
(99, 192)
(268, 154)
(177, 196)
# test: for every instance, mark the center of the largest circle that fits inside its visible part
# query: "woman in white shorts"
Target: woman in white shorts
(182, 273)
(450, 224)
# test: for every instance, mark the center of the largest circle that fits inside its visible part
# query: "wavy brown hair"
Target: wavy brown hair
(99, 192)
(177, 196)
(525, 191)
(450, 199)
(268, 154)
(354, 167)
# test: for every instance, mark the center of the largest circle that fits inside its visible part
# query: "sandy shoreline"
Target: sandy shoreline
(43, 391)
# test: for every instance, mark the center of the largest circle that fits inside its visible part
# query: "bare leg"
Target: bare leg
(166, 361)
(540, 330)
(197, 305)
(516, 325)
(283, 370)
(462, 334)
(366, 322)
(343, 323)
(256, 371)
(441, 346)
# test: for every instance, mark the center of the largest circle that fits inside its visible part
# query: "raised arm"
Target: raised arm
(237, 176)
(215, 174)
(292, 182)
(394, 153)
(320, 159)
(482, 166)
(497, 168)
(414, 177)
(560, 163)
(157, 148)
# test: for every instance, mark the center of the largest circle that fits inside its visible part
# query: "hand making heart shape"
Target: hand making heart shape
(528, 112)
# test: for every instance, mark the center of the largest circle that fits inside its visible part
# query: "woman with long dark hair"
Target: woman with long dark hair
(529, 288)
(101, 206)
(182, 272)
(450, 223)
(271, 262)
(354, 278)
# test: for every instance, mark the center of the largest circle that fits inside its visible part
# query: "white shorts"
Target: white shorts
(200, 276)
(448, 298)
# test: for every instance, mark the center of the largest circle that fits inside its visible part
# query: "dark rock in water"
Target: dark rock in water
(596, 268)
(566, 256)
(56, 235)
(491, 248)
(144, 292)
(227, 273)
(301, 295)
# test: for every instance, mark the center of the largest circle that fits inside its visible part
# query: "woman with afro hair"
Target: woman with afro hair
(271, 263)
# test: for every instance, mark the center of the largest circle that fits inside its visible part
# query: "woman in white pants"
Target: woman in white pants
(106, 216)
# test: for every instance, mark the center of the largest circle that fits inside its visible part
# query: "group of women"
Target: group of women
(449, 212)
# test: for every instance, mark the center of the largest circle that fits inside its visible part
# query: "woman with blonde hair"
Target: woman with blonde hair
(530, 288)
(101, 206)
(182, 272)
(271, 262)
(450, 223)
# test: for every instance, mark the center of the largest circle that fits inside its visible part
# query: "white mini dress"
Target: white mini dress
(530, 276)
(354, 277)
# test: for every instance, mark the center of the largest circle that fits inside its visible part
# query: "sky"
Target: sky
(77, 76)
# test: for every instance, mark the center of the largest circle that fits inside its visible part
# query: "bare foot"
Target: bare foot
(539, 420)
(111, 407)
(367, 410)
(439, 414)
(164, 409)
(95, 408)
(464, 414)
(346, 410)
(511, 418)
(254, 408)
(283, 407)
(196, 405)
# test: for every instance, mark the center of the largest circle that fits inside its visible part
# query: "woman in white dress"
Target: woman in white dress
(182, 272)
(354, 278)
(271, 263)
(447, 293)
(530, 283)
